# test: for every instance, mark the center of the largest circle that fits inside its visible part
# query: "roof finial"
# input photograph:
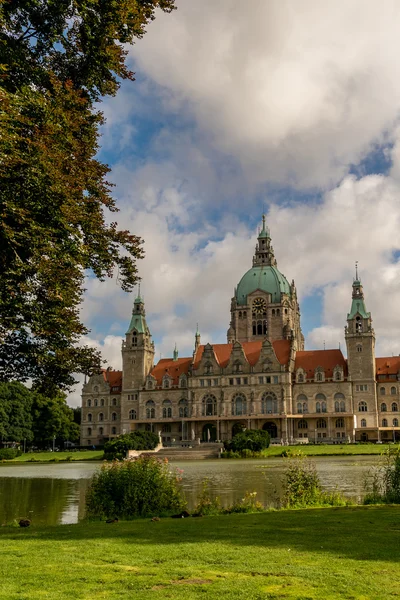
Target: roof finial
(175, 352)
(356, 270)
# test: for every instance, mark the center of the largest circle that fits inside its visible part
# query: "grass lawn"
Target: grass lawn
(60, 456)
(331, 449)
(316, 554)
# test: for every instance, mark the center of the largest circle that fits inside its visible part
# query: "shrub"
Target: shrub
(137, 440)
(144, 487)
(248, 504)
(207, 505)
(253, 440)
(385, 485)
(302, 487)
(9, 453)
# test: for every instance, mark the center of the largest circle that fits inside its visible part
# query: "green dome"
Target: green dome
(264, 278)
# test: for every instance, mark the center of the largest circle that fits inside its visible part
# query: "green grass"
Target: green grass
(330, 449)
(60, 456)
(346, 553)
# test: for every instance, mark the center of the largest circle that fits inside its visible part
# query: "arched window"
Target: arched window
(395, 422)
(302, 424)
(209, 405)
(363, 423)
(318, 376)
(273, 312)
(393, 391)
(102, 402)
(359, 348)
(89, 402)
(318, 407)
(383, 407)
(395, 407)
(132, 413)
(89, 431)
(302, 405)
(362, 406)
(183, 408)
(239, 405)
(321, 403)
(150, 384)
(321, 424)
(340, 404)
(384, 423)
(101, 417)
(96, 402)
(339, 423)
(182, 381)
(358, 325)
(113, 430)
(167, 409)
(269, 403)
(114, 402)
(382, 391)
(114, 416)
(240, 314)
(150, 410)
(101, 430)
(90, 417)
(166, 382)
(300, 377)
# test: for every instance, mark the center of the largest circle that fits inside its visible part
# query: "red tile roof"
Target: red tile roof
(251, 349)
(309, 360)
(387, 365)
(171, 367)
(113, 378)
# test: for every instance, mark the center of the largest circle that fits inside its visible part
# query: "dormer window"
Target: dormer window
(166, 383)
(338, 373)
(319, 375)
(300, 377)
(150, 384)
(182, 381)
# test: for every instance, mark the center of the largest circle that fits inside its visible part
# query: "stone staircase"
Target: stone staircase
(198, 452)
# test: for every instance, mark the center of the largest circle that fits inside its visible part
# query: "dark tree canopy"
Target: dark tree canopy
(56, 59)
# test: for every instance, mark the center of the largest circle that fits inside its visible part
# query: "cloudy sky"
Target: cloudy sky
(292, 106)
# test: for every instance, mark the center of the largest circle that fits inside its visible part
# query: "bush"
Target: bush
(253, 440)
(385, 487)
(207, 505)
(117, 448)
(248, 504)
(9, 453)
(302, 487)
(144, 487)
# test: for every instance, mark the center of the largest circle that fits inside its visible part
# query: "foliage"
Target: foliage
(117, 448)
(52, 418)
(9, 453)
(56, 59)
(302, 487)
(140, 488)
(207, 505)
(254, 440)
(16, 419)
(248, 504)
(385, 485)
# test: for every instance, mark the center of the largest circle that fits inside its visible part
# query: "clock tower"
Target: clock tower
(264, 304)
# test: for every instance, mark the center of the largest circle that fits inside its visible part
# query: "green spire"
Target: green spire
(264, 233)
(357, 303)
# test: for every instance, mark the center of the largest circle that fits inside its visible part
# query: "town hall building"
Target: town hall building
(262, 378)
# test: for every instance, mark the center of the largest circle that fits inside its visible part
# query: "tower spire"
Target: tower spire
(356, 270)
(264, 254)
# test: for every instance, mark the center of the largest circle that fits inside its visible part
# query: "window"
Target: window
(393, 391)
(113, 430)
(269, 403)
(209, 382)
(231, 382)
(96, 402)
(338, 375)
(102, 402)
(201, 382)
(209, 405)
(95, 389)
(321, 424)
(239, 404)
(302, 404)
(359, 348)
(183, 408)
(237, 367)
(276, 379)
(166, 428)
(321, 403)
(318, 376)
(339, 423)
(132, 414)
(114, 402)
(167, 409)
(182, 381)
(215, 381)
(302, 424)
(89, 431)
(382, 391)
(89, 402)
(101, 430)
(166, 382)
(395, 407)
(318, 407)
(383, 407)
(358, 325)
(134, 339)
(149, 384)
(363, 423)
(362, 406)
(395, 422)
(261, 380)
(340, 404)
(384, 423)
(150, 410)
(362, 388)
(300, 378)
(90, 417)
(101, 417)
(114, 416)
(209, 369)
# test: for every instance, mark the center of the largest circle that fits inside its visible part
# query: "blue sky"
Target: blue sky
(243, 107)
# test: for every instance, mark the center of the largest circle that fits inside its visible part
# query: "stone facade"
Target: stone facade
(262, 378)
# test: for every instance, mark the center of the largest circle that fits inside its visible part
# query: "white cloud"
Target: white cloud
(295, 91)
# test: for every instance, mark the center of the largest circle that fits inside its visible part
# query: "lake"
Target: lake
(55, 493)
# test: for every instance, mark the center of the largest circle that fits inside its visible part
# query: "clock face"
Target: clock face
(259, 305)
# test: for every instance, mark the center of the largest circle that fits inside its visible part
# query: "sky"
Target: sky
(243, 107)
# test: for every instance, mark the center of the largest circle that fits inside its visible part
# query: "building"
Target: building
(262, 378)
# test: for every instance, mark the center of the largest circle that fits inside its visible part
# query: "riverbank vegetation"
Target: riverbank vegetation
(312, 450)
(68, 456)
(384, 485)
(334, 553)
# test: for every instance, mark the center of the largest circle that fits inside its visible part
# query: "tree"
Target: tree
(249, 439)
(15, 412)
(136, 440)
(52, 419)
(57, 59)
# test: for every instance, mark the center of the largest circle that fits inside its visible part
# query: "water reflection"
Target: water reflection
(53, 493)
